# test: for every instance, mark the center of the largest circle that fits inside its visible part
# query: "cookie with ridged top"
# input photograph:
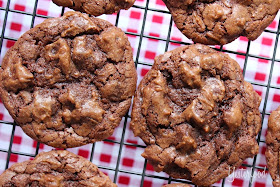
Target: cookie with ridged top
(55, 168)
(272, 153)
(196, 114)
(69, 81)
(222, 21)
(96, 7)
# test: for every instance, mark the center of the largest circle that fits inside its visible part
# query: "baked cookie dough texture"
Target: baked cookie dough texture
(96, 7)
(69, 81)
(55, 168)
(196, 114)
(273, 145)
(177, 185)
(222, 21)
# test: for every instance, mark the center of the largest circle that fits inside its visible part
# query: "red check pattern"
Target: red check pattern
(148, 32)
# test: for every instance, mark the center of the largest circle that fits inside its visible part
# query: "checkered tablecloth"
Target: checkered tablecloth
(151, 32)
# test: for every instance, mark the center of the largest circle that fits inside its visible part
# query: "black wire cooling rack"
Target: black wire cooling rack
(253, 167)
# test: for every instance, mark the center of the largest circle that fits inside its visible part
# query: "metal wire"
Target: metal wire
(141, 36)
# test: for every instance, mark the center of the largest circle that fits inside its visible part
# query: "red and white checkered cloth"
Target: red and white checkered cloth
(157, 24)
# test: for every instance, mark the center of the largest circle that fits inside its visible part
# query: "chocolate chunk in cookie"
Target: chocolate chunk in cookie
(55, 168)
(96, 7)
(222, 21)
(196, 114)
(69, 81)
(272, 153)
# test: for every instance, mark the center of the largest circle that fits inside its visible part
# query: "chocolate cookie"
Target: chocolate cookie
(196, 114)
(69, 81)
(55, 168)
(222, 21)
(272, 153)
(176, 185)
(96, 7)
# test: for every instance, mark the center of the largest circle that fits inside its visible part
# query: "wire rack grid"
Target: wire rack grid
(146, 18)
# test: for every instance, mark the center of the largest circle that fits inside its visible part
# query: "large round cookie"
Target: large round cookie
(196, 114)
(222, 21)
(96, 7)
(273, 146)
(69, 81)
(55, 168)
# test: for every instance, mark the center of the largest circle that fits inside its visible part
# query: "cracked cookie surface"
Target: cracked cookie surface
(55, 168)
(69, 81)
(222, 21)
(96, 7)
(196, 114)
(272, 153)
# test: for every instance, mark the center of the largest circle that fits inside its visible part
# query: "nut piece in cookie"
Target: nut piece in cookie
(272, 153)
(196, 114)
(222, 21)
(69, 81)
(96, 7)
(55, 168)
